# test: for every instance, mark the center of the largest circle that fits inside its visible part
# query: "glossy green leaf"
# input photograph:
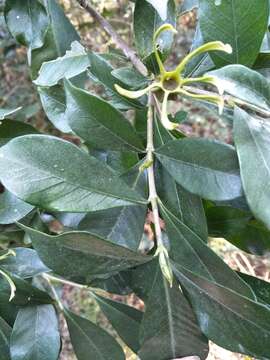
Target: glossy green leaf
(52, 173)
(58, 39)
(5, 332)
(25, 294)
(245, 84)
(35, 334)
(12, 209)
(102, 72)
(241, 23)
(73, 63)
(81, 256)
(169, 329)
(89, 339)
(189, 250)
(5, 112)
(54, 104)
(116, 284)
(122, 225)
(125, 319)
(98, 123)
(224, 221)
(130, 77)
(10, 129)
(27, 21)
(227, 318)
(26, 263)
(204, 167)
(185, 206)
(251, 136)
(260, 287)
(144, 29)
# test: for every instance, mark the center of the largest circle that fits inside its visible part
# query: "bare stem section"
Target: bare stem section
(129, 53)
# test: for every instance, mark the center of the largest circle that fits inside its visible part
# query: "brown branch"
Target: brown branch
(129, 53)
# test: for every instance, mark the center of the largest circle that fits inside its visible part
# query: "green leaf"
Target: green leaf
(130, 77)
(58, 40)
(81, 256)
(204, 167)
(251, 136)
(102, 72)
(54, 104)
(99, 123)
(54, 178)
(10, 129)
(73, 63)
(146, 21)
(26, 264)
(12, 209)
(122, 226)
(240, 23)
(225, 221)
(5, 332)
(5, 112)
(245, 84)
(116, 284)
(187, 207)
(89, 339)
(189, 250)
(125, 319)
(25, 294)
(227, 318)
(27, 21)
(169, 329)
(260, 287)
(35, 334)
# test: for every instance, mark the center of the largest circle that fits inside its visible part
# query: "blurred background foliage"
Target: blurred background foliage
(17, 89)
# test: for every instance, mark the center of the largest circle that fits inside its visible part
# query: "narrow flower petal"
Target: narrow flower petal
(218, 100)
(9, 253)
(11, 284)
(207, 80)
(211, 46)
(135, 94)
(164, 117)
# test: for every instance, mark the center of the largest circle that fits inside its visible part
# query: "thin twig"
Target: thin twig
(129, 53)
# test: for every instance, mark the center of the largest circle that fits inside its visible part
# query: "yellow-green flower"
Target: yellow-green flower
(172, 82)
(7, 277)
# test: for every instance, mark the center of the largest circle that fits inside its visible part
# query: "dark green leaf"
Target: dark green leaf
(54, 104)
(190, 251)
(58, 40)
(122, 225)
(35, 335)
(260, 287)
(245, 84)
(12, 209)
(251, 136)
(240, 23)
(226, 317)
(54, 178)
(25, 264)
(25, 294)
(169, 328)
(90, 340)
(5, 332)
(99, 123)
(81, 256)
(116, 284)
(130, 77)
(207, 168)
(102, 71)
(146, 22)
(126, 320)
(10, 129)
(27, 21)
(185, 206)
(73, 63)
